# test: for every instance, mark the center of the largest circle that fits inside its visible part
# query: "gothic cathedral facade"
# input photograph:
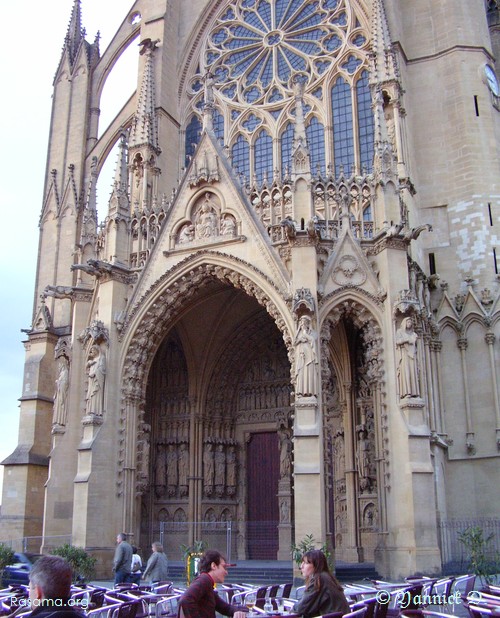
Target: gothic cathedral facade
(287, 314)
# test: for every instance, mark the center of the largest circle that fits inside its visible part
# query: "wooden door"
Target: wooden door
(262, 496)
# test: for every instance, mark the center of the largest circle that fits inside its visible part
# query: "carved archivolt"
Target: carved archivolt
(199, 276)
(372, 369)
(161, 314)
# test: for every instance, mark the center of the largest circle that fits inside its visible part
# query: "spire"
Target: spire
(120, 184)
(384, 65)
(300, 151)
(208, 107)
(144, 130)
(88, 235)
(75, 33)
(116, 242)
(386, 95)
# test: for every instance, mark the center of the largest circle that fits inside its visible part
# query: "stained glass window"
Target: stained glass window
(193, 133)
(260, 44)
(365, 122)
(315, 133)
(286, 149)
(254, 50)
(241, 157)
(218, 121)
(263, 157)
(343, 139)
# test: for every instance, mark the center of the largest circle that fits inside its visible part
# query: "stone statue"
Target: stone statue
(228, 226)
(183, 469)
(231, 471)
(61, 394)
(306, 360)
(208, 468)
(206, 225)
(406, 344)
(187, 234)
(160, 471)
(285, 453)
(363, 460)
(284, 511)
(220, 469)
(96, 371)
(172, 476)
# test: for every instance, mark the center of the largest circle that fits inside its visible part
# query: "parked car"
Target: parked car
(18, 572)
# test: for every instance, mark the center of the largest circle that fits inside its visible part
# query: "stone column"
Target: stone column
(469, 438)
(490, 340)
(351, 549)
(308, 470)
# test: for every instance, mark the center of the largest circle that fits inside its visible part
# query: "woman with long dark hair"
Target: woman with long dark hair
(323, 593)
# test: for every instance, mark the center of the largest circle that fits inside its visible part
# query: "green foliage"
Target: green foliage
(306, 544)
(484, 561)
(198, 547)
(81, 562)
(6, 557)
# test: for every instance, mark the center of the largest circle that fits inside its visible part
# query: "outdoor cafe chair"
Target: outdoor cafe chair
(358, 613)
(167, 607)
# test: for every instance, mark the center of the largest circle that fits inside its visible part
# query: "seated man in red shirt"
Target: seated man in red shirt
(201, 599)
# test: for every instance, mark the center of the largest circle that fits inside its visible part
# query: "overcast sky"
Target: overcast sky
(30, 48)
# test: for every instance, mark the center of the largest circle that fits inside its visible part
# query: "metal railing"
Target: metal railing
(454, 555)
(35, 544)
(216, 534)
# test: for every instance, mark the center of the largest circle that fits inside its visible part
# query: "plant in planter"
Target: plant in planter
(191, 554)
(6, 558)
(81, 562)
(306, 544)
(483, 560)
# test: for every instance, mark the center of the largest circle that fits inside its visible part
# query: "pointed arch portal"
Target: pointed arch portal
(218, 394)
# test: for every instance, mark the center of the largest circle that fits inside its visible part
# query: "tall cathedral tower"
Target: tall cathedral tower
(286, 316)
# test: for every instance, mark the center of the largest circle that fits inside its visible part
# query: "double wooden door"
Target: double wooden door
(262, 496)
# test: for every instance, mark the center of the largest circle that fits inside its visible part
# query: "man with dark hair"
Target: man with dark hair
(123, 559)
(50, 589)
(201, 599)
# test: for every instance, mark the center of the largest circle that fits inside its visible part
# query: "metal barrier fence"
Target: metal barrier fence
(216, 534)
(34, 544)
(453, 552)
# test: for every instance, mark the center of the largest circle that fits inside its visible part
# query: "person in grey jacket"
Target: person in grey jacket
(157, 567)
(122, 559)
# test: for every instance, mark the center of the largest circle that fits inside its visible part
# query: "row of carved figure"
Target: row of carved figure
(94, 397)
(306, 369)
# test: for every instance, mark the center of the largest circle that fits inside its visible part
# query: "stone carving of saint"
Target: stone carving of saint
(183, 469)
(61, 394)
(228, 226)
(187, 234)
(406, 344)
(362, 454)
(160, 471)
(305, 359)
(391, 127)
(209, 83)
(231, 471)
(285, 453)
(284, 511)
(96, 371)
(206, 225)
(208, 468)
(171, 469)
(220, 469)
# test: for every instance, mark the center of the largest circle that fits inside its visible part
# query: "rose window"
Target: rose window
(257, 45)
